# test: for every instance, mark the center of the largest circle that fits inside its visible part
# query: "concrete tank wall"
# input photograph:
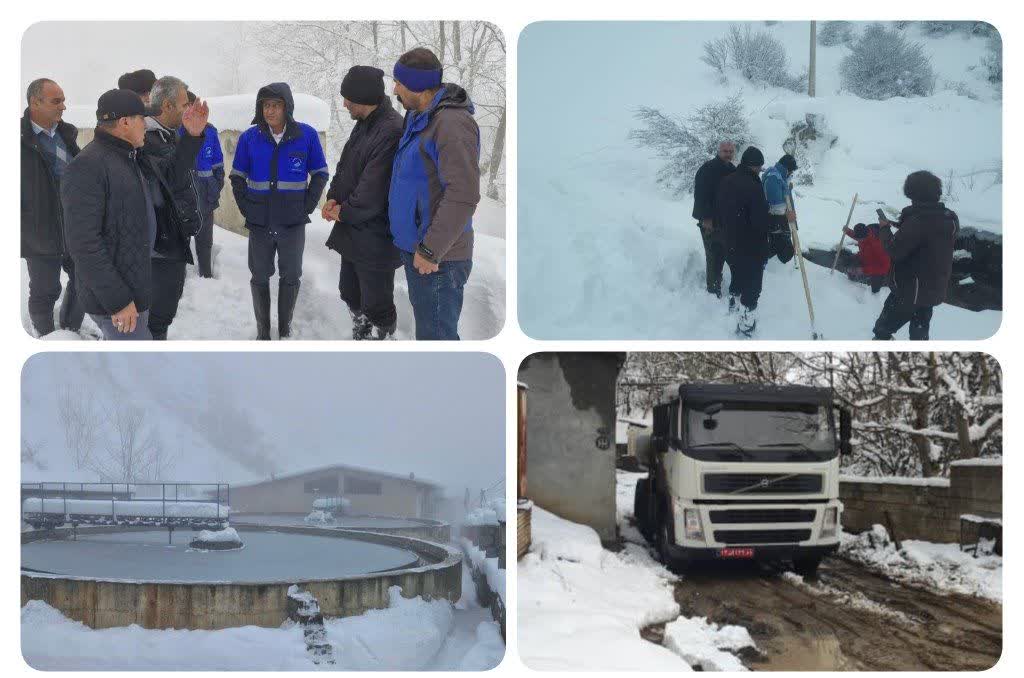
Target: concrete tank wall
(103, 604)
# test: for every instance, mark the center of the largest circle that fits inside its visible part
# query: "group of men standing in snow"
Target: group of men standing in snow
(119, 215)
(744, 215)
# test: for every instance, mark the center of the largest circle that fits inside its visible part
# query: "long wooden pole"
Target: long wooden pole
(843, 238)
(793, 233)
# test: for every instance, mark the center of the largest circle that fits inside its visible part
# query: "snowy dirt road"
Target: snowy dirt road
(847, 619)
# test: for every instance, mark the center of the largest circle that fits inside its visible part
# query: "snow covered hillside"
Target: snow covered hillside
(221, 308)
(607, 253)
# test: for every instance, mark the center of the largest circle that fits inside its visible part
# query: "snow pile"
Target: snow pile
(707, 645)
(942, 567)
(625, 493)
(491, 513)
(227, 535)
(896, 480)
(979, 461)
(489, 566)
(125, 508)
(848, 599)
(318, 517)
(331, 503)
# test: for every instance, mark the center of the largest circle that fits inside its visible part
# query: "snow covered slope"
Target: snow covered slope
(606, 253)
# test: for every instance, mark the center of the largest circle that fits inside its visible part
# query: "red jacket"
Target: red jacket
(872, 255)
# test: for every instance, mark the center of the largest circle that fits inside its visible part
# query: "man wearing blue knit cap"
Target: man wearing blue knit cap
(435, 188)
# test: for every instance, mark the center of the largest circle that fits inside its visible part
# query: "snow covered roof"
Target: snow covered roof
(232, 112)
(340, 467)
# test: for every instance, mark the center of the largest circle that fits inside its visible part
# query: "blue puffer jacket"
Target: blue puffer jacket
(278, 184)
(209, 169)
(435, 179)
(776, 188)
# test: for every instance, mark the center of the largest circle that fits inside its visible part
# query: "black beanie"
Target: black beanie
(923, 186)
(752, 157)
(789, 162)
(860, 231)
(363, 85)
(119, 103)
(140, 81)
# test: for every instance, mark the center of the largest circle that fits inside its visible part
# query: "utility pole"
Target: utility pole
(811, 69)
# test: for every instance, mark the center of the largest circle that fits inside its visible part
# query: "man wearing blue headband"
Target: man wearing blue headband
(435, 188)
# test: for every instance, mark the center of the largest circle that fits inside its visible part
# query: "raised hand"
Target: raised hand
(195, 117)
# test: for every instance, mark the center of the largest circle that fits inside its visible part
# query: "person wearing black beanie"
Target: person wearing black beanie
(141, 82)
(357, 204)
(752, 157)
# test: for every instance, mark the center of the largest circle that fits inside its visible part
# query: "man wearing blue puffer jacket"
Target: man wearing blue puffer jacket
(277, 177)
(209, 174)
(435, 188)
(778, 186)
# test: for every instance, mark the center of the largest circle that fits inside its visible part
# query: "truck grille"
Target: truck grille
(761, 536)
(762, 483)
(736, 516)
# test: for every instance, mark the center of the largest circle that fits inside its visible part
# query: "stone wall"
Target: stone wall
(917, 510)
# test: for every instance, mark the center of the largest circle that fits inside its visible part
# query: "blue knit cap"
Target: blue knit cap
(417, 79)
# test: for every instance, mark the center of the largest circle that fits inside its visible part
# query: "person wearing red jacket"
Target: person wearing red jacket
(871, 254)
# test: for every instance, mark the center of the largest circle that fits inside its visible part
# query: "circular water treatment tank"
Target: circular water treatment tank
(344, 521)
(268, 556)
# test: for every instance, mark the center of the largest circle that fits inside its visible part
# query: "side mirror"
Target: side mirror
(845, 431)
(659, 444)
(713, 409)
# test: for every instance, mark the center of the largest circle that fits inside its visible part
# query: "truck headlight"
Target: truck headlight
(691, 524)
(830, 522)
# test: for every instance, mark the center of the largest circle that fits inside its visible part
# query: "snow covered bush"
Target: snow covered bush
(834, 33)
(686, 144)
(884, 64)
(992, 62)
(758, 56)
(939, 28)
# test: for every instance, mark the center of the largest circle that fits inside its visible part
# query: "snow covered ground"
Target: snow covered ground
(221, 308)
(412, 634)
(941, 567)
(605, 253)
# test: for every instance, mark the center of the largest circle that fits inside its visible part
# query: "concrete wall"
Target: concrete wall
(227, 215)
(570, 420)
(928, 512)
(104, 604)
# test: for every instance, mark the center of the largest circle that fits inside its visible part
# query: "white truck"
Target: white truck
(744, 471)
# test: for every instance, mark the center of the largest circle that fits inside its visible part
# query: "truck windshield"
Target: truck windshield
(764, 432)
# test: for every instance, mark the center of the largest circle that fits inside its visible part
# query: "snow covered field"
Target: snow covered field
(605, 253)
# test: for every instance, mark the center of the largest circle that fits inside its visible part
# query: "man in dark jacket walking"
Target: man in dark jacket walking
(48, 144)
(357, 201)
(435, 188)
(921, 251)
(209, 175)
(277, 177)
(168, 102)
(743, 217)
(112, 222)
(705, 189)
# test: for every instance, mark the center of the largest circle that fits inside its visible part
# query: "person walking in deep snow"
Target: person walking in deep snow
(435, 188)
(277, 177)
(872, 259)
(778, 191)
(209, 173)
(357, 201)
(705, 188)
(141, 82)
(742, 214)
(921, 250)
(110, 196)
(48, 144)
(168, 103)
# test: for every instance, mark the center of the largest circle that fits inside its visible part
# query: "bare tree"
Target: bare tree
(80, 420)
(30, 454)
(134, 451)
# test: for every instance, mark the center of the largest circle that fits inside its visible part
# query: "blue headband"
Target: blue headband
(417, 79)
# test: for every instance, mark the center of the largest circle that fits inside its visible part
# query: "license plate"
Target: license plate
(736, 553)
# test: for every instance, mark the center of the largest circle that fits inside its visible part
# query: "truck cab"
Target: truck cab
(744, 472)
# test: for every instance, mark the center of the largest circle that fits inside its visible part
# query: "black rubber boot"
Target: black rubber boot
(42, 322)
(286, 296)
(261, 308)
(361, 326)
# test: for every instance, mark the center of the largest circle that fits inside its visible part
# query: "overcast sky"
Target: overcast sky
(231, 416)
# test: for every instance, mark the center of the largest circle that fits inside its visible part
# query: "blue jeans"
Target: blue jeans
(110, 333)
(436, 298)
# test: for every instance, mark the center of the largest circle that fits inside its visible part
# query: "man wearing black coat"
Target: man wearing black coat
(742, 214)
(48, 144)
(357, 201)
(922, 258)
(705, 188)
(112, 224)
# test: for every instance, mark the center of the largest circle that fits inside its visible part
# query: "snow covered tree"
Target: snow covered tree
(884, 64)
(992, 62)
(757, 56)
(686, 144)
(937, 29)
(31, 454)
(834, 33)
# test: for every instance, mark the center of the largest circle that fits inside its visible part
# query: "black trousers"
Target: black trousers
(897, 312)
(746, 277)
(284, 244)
(369, 292)
(168, 285)
(44, 290)
(204, 248)
(714, 259)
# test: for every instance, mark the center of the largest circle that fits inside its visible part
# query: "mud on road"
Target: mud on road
(846, 619)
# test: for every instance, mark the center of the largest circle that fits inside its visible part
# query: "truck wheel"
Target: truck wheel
(664, 541)
(807, 567)
(641, 500)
